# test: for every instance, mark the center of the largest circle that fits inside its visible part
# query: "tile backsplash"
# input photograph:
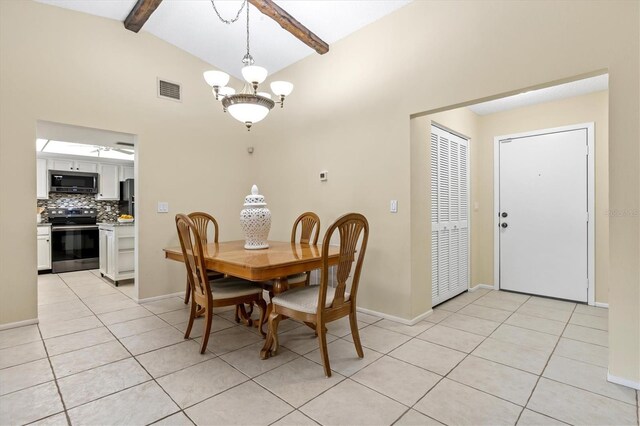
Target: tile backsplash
(80, 200)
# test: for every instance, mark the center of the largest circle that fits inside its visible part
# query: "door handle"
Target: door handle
(504, 224)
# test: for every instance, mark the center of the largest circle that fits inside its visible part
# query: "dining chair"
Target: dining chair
(307, 226)
(207, 294)
(319, 305)
(202, 222)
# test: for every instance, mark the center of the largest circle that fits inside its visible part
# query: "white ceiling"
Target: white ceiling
(562, 91)
(193, 26)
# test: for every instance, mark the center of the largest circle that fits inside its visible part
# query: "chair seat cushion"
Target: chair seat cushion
(304, 299)
(291, 279)
(230, 287)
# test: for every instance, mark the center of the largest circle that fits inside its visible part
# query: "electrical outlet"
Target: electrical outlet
(393, 206)
(163, 207)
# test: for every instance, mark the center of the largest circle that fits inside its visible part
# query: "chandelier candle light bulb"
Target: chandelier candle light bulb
(248, 106)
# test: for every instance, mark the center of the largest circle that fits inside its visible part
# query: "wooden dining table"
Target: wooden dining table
(275, 263)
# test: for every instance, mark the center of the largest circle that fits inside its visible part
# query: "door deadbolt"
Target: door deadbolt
(504, 214)
(504, 224)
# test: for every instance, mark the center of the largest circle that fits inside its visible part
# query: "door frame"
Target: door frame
(589, 127)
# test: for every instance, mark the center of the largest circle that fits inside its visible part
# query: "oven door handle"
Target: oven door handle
(74, 228)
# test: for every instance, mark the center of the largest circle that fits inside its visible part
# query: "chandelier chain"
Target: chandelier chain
(229, 21)
(248, 54)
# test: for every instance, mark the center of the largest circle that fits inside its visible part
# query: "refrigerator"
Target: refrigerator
(127, 197)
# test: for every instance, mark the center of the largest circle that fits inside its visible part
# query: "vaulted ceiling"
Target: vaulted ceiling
(193, 26)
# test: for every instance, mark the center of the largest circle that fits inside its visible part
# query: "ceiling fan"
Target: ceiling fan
(100, 149)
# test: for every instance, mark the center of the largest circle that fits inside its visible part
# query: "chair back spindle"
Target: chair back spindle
(309, 224)
(193, 252)
(202, 221)
(353, 229)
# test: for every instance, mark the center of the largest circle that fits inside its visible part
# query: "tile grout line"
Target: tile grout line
(343, 338)
(174, 344)
(344, 378)
(462, 360)
(55, 380)
(543, 370)
(136, 360)
(191, 339)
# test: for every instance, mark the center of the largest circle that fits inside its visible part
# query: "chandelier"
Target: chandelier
(249, 106)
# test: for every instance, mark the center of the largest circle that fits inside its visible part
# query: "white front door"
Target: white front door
(543, 214)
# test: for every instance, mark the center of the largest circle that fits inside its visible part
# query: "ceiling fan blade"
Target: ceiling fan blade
(124, 151)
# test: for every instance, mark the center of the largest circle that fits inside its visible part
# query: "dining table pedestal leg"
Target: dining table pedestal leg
(280, 285)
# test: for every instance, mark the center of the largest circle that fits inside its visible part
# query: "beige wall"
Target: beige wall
(68, 67)
(349, 115)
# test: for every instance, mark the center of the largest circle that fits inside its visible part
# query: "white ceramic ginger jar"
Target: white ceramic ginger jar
(255, 219)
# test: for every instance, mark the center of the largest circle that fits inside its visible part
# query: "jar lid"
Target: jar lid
(254, 199)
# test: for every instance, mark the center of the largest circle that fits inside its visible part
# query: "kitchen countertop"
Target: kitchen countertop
(116, 223)
(43, 224)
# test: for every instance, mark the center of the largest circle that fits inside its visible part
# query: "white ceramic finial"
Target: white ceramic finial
(254, 190)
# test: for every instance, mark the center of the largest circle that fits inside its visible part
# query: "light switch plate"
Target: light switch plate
(393, 206)
(324, 176)
(163, 207)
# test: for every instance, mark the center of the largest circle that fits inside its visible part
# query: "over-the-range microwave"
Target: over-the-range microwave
(63, 181)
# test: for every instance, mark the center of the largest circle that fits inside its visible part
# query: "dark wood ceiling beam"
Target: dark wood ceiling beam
(140, 13)
(289, 23)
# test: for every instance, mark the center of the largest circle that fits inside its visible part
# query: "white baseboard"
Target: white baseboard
(477, 286)
(18, 324)
(164, 296)
(624, 382)
(602, 305)
(394, 318)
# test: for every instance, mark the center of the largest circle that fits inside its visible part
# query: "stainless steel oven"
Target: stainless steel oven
(74, 240)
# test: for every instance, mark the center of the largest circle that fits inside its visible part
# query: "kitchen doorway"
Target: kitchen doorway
(86, 186)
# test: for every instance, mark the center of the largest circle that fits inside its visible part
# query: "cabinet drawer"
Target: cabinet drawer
(44, 230)
(126, 243)
(126, 262)
(126, 231)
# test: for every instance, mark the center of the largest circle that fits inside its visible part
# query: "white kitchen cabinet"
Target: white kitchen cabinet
(117, 256)
(109, 182)
(61, 164)
(42, 179)
(44, 247)
(86, 166)
(126, 172)
(75, 165)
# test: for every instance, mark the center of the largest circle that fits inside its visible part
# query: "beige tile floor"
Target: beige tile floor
(485, 357)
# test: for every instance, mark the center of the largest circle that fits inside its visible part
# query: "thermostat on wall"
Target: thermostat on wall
(324, 175)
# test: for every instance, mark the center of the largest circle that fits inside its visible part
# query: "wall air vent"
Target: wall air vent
(169, 90)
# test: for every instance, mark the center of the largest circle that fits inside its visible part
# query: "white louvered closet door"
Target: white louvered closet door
(449, 215)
